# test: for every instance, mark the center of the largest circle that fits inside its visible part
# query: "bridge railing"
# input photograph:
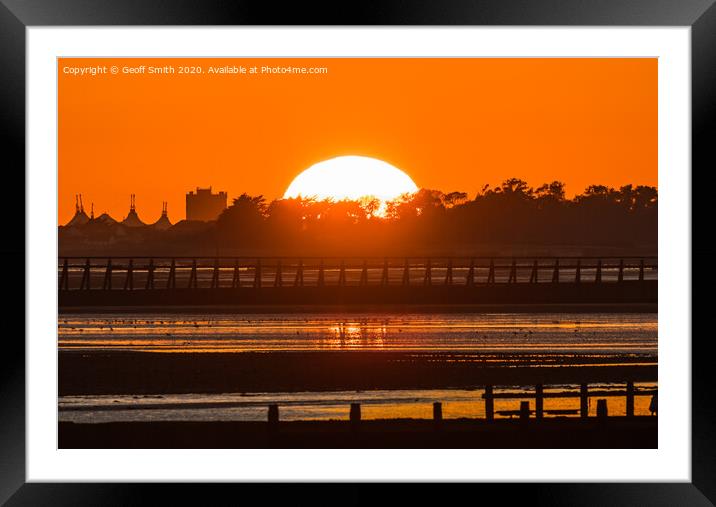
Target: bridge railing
(151, 273)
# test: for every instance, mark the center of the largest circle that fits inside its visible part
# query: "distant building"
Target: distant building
(163, 223)
(80, 217)
(203, 205)
(132, 219)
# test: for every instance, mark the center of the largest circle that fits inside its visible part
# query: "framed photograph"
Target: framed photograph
(416, 245)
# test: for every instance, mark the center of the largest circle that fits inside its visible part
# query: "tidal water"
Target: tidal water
(557, 332)
(546, 334)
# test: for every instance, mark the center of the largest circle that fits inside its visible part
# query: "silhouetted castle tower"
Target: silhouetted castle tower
(163, 223)
(80, 217)
(203, 205)
(132, 219)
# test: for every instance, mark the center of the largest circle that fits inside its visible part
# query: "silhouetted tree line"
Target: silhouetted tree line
(510, 219)
(511, 213)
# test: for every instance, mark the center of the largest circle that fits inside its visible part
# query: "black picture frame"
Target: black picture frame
(17, 15)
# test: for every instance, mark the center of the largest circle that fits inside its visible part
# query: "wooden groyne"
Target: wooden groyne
(137, 281)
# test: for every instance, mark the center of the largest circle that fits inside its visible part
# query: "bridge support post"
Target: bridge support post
(172, 280)
(578, 274)
(85, 284)
(448, 273)
(215, 275)
(489, 403)
(257, 274)
(583, 401)
(298, 281)
(342, 274)
(428, 280)
(236, 279)
(278, 281)
(555, 273)
(129, 281)
(321, 275)
(192, 276)
(150, 275)
(533, 275)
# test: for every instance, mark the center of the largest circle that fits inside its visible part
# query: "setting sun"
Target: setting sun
(351, 177)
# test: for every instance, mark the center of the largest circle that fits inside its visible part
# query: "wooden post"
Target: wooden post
(470, 280)
(524, 410)
(406, 272)
(172, 280)
(150, 275)
(641, 270)
(448, 273)
(342, 274)
(364, 274)
(489, 404)
(192, 275)
(64, 276)
(129, 281)
(491, 273)
(273, 415)
(107, 284)
(85, 283)
(533, 275)
(355, 413)
(437, 412)
(630, 399)
(236, 279)
(602, 409)
(539, 401)
(215, 275)
(428, 280)
(555, 273)
(598, 278)
(578, 274)
(513, 272)
(321, 274)
(257, 274)
(298, 281)
(621, 270)
(583, 401)
(278, 281)
(384, 277)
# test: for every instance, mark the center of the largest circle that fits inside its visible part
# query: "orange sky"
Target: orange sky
(451, 124)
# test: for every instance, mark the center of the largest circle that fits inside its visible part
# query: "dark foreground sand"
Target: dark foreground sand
(614, 432)
(161, 373)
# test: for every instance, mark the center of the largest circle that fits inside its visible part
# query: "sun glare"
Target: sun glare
(351, 177)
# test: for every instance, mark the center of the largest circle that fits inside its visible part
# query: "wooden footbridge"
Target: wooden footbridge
(91, 281)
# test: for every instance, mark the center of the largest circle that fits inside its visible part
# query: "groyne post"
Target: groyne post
(107, 284)
(354, 415)
(273, 416)
(64, 278)
(278, 281)
(298, 281)
(620, 277)
(257, 274)
(215, 275)
(406, 273)
(513, 272)
(85, 283)
(150, 275)
(448, 273)
(539, 401)
(598, 277)
(630, 399)
(533, 275)
(491, 272)
(524, 410)
(129, 281)
(555, 273)
(192, 275)
(602, 409)
(236, 280)
(172, 280)
(470, 279)
(437, 413)
(578, 273)
(489, 403)
(583, 401)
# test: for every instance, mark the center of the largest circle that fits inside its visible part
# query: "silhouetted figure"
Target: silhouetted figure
(652, 404)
